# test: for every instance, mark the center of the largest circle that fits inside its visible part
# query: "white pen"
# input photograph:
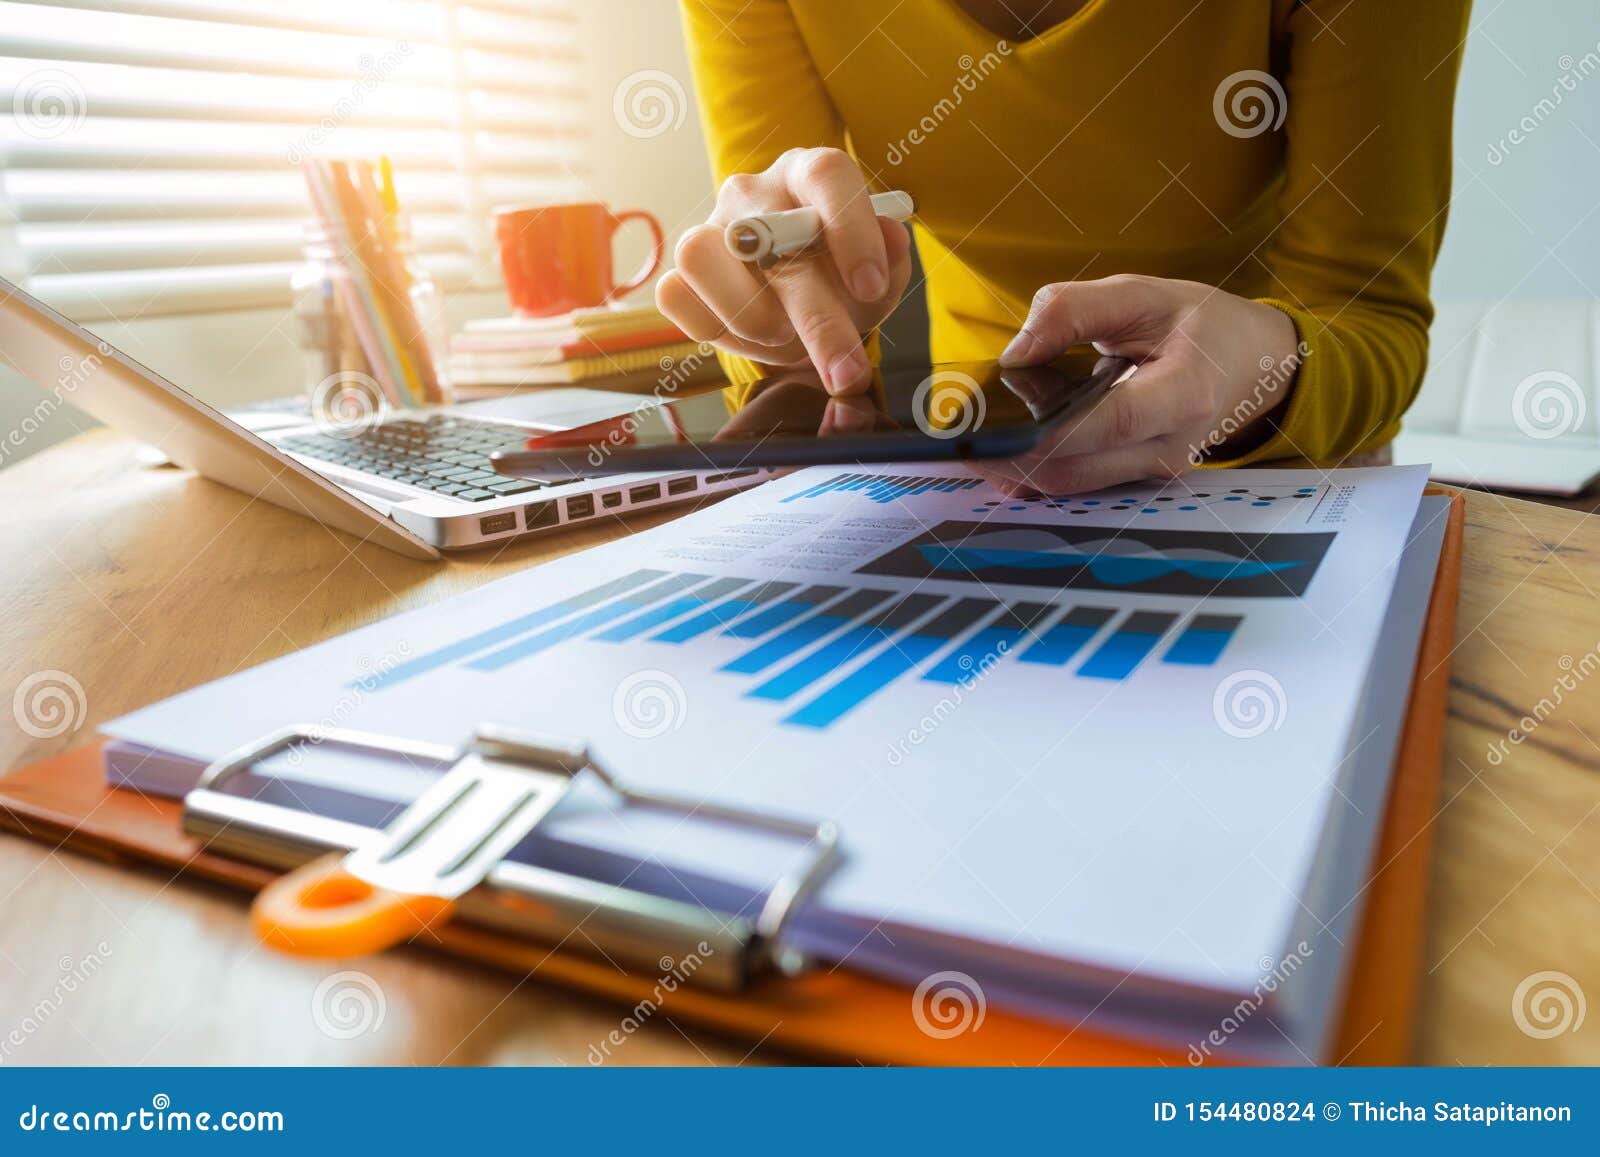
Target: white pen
(767, 236)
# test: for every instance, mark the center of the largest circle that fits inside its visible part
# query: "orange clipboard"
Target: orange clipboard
(842, 1015)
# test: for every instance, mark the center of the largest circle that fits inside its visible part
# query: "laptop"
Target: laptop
(416, 482)
(1511, 400)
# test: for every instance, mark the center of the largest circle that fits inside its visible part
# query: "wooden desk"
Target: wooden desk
(140, 583)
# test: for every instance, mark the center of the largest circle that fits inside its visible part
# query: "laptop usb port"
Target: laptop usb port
(682, 485)
(498, 523)
(580, 506)
(540, 515)
(645, 493)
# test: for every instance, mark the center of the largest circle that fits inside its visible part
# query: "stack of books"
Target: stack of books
(628, 348)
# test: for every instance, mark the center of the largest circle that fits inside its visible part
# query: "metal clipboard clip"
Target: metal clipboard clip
(444, 855)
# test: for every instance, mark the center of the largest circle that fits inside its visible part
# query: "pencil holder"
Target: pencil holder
(345, 385)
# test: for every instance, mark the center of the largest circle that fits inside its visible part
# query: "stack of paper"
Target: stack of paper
(1116, 760)
(625, 346)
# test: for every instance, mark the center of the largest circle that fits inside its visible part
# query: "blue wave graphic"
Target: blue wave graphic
(1112, 563)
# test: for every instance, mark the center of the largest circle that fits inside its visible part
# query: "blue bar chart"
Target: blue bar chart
(989, 642)
(1061, 643)
(847, 645)
(632, 600)
(785, 610)
(907, 653)
(1129, 644)
(807, 631)
(1202, 640)
(670, 609)
(473, 644)
(886, 488)
(723, 614)
(827, 649)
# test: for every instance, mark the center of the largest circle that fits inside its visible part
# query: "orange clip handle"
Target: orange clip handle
(321, 909)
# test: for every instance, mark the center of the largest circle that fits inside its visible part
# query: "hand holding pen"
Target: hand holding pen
(760, 292)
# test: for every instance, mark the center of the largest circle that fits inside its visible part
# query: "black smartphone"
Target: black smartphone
(912, 414)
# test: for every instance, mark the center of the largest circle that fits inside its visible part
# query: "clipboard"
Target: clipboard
(351, 889)
(839, 1014)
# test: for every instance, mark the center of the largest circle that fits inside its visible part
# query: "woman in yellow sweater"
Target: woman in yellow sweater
(1244, 196)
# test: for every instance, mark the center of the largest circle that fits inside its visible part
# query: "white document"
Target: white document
(1098, 737)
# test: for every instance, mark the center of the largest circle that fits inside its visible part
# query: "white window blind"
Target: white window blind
(149, 158)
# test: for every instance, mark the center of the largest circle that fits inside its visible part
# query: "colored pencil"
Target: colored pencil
(355, 288)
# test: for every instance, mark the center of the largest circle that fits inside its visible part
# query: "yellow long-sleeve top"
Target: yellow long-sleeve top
(1292, 151)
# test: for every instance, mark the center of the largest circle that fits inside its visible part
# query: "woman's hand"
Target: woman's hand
(812, 307)
(1212, 366)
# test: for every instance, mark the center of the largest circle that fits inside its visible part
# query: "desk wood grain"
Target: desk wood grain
(140, 582)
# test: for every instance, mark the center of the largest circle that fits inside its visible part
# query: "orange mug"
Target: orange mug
(557, 258)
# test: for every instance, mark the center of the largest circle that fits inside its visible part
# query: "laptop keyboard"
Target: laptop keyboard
(442, 453)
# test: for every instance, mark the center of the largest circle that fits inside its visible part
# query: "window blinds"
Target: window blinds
(149, 161)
